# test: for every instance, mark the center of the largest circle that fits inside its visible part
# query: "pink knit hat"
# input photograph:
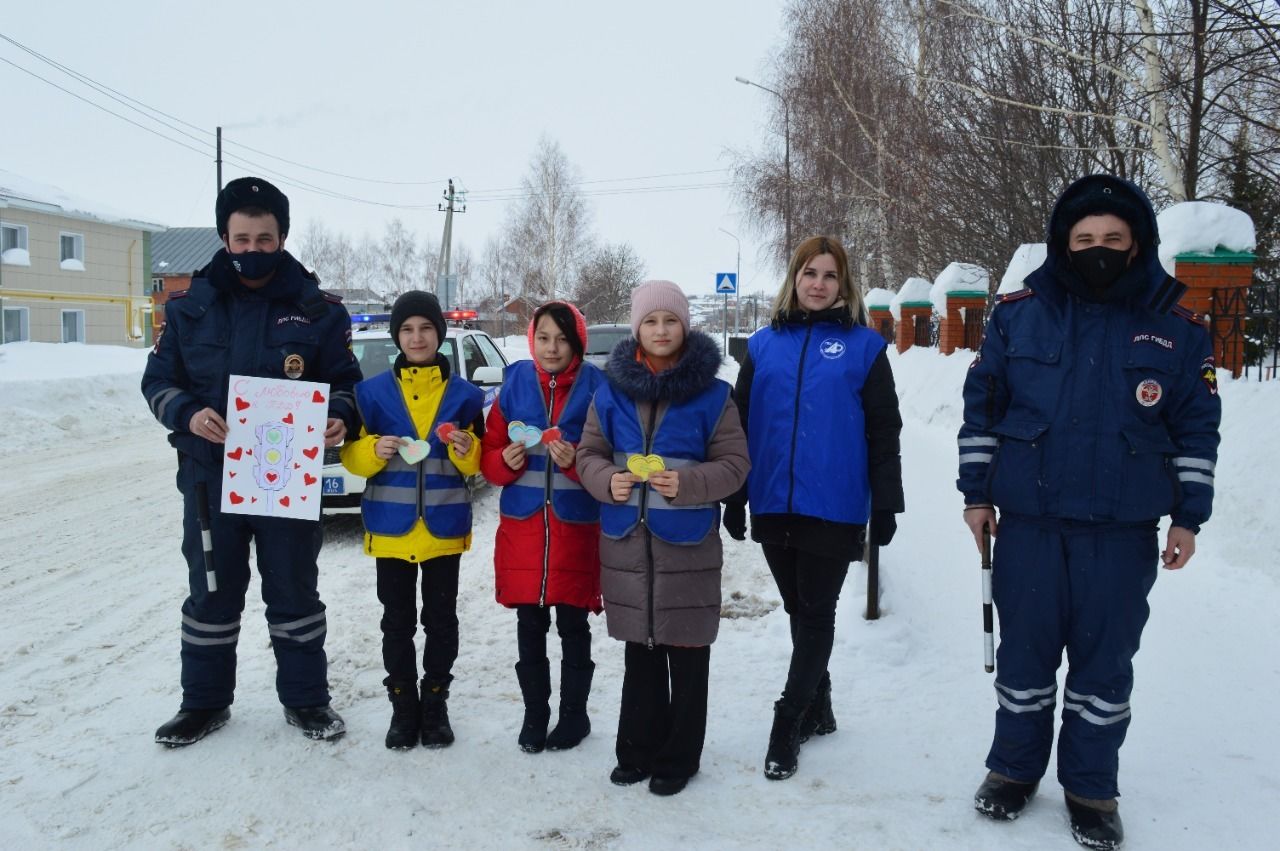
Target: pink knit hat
(658, 295)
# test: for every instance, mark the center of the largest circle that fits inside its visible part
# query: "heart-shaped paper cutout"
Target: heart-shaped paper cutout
(520, 432)
(643, 465)
(311, 453)
(552, 434)
(235, 498)
(241, 404)
(414, 451)
(308, 479)
(444, 430)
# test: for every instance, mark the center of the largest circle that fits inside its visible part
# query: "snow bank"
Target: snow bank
(913, 289)
(1029, 257)
(958, 277)
(1203, 226)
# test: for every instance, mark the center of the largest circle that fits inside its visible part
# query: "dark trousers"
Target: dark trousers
(398, 593)
(532, 624)
(663, 720)
(1082, 587)
(287, 550)
(810, 588)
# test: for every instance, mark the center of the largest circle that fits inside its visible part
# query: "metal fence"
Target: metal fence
(1246, 328)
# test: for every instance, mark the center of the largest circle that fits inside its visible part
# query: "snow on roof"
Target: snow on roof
(21, 192)
(913, 289)
(1028, 258)
(1203, 226)
(878, 297)
(958, 277)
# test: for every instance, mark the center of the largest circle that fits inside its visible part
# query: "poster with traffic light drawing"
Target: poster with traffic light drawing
(275, 447)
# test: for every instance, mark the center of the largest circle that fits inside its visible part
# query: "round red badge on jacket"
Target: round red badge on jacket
(1149, 393)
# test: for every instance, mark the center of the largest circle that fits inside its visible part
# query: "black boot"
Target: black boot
(574, 725)
(316, 722)
(1095, 824)
(819, 720)
(1001, 798)
(436, 732)
(783, 757)
(405, 718)
(190, 726)
(535, 686)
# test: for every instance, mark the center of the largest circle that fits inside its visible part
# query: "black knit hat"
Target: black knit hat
(417, 303)
(1103, 193)
(565, 321)
(244, 192)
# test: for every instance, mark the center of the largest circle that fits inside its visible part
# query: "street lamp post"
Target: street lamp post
(737, 272)
(786, 141)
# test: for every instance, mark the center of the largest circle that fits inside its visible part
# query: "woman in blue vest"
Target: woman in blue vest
(547, 552)
(662, 445)
(417, 511)
(823, 435)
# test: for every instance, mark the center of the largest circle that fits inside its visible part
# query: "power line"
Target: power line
(605, 180)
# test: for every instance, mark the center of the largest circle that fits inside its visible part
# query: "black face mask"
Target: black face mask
(255, 265)
(1100, 266)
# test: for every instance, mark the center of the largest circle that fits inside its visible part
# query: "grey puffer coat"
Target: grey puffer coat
(684, 606)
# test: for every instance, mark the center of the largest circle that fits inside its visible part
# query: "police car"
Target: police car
(471, 353)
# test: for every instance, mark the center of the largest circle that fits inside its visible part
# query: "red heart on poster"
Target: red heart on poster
(311, 428)
(317, 397)
(253, 499)
(243, 421)
(235, 498)
(248, 452)
(271, 477)
(444, 430)
(553, 433)
(297, 466)
(304, 497)
(284, 500)
(308, 479)
(235, 456)
(287, 418)
(311, 453)
(241, 404)
(231, 473)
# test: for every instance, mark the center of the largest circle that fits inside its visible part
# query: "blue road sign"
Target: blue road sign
(726, 283)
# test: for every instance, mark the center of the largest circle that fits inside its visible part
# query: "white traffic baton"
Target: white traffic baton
(988, 619)
(206, 536)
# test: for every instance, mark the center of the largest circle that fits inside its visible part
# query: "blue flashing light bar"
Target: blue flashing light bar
(366, 318)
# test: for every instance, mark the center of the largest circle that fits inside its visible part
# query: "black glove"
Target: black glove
(735, 520)
(883, 526)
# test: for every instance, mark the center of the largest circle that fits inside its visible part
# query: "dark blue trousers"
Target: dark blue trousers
(1081, 587)
(287, 550)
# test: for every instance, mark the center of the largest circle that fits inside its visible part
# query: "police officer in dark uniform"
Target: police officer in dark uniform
(1090, 412)
(254, 310)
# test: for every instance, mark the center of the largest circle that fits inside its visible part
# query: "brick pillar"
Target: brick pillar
(1231, 273)
(881, 321)
(912, 314)
(951, 333)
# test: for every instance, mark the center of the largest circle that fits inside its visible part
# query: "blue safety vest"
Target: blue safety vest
(680, 436)
(522, 400)
(806, 430)
(433, 488)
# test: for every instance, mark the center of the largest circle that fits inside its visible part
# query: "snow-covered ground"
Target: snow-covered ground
(91, 580)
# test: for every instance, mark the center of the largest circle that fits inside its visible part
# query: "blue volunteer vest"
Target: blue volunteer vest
(522, 400)
(433, 487)
(681, 437)
(806, 430)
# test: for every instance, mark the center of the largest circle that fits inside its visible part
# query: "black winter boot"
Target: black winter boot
(405, 717)
(574, 725)
(190, 726)
(1001, 798)
(819, 720)
(783, 757)
(436, 732)
(535, 686)
(1095, 823)
(316, 722)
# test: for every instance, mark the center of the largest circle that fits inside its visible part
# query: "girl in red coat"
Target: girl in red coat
(548, 540)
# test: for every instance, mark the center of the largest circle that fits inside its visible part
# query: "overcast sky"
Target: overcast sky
(407, 92)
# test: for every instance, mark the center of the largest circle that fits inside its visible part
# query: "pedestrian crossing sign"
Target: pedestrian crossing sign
(726, 283)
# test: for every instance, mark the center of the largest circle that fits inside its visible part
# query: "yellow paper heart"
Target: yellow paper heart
(643, 465)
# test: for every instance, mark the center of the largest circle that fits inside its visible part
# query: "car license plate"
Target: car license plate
(333, 485)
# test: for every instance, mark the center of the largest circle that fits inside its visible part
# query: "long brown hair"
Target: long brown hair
(808, 249)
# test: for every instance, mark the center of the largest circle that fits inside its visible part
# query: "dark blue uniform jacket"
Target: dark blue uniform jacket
(1093, 410)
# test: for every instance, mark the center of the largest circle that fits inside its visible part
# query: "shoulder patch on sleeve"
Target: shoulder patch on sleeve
(332, 298)
(1191, 316)
(1025, 292)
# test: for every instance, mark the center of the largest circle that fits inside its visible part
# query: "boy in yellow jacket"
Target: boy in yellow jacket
(418, 443)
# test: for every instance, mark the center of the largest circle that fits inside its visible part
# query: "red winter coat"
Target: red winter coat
(572, 562)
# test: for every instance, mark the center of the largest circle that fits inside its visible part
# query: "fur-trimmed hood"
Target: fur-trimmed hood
(695, 371)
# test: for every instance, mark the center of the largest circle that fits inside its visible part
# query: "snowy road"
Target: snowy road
(91, 580)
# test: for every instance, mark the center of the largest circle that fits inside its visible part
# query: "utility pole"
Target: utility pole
(444, 272)
(219, 158)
